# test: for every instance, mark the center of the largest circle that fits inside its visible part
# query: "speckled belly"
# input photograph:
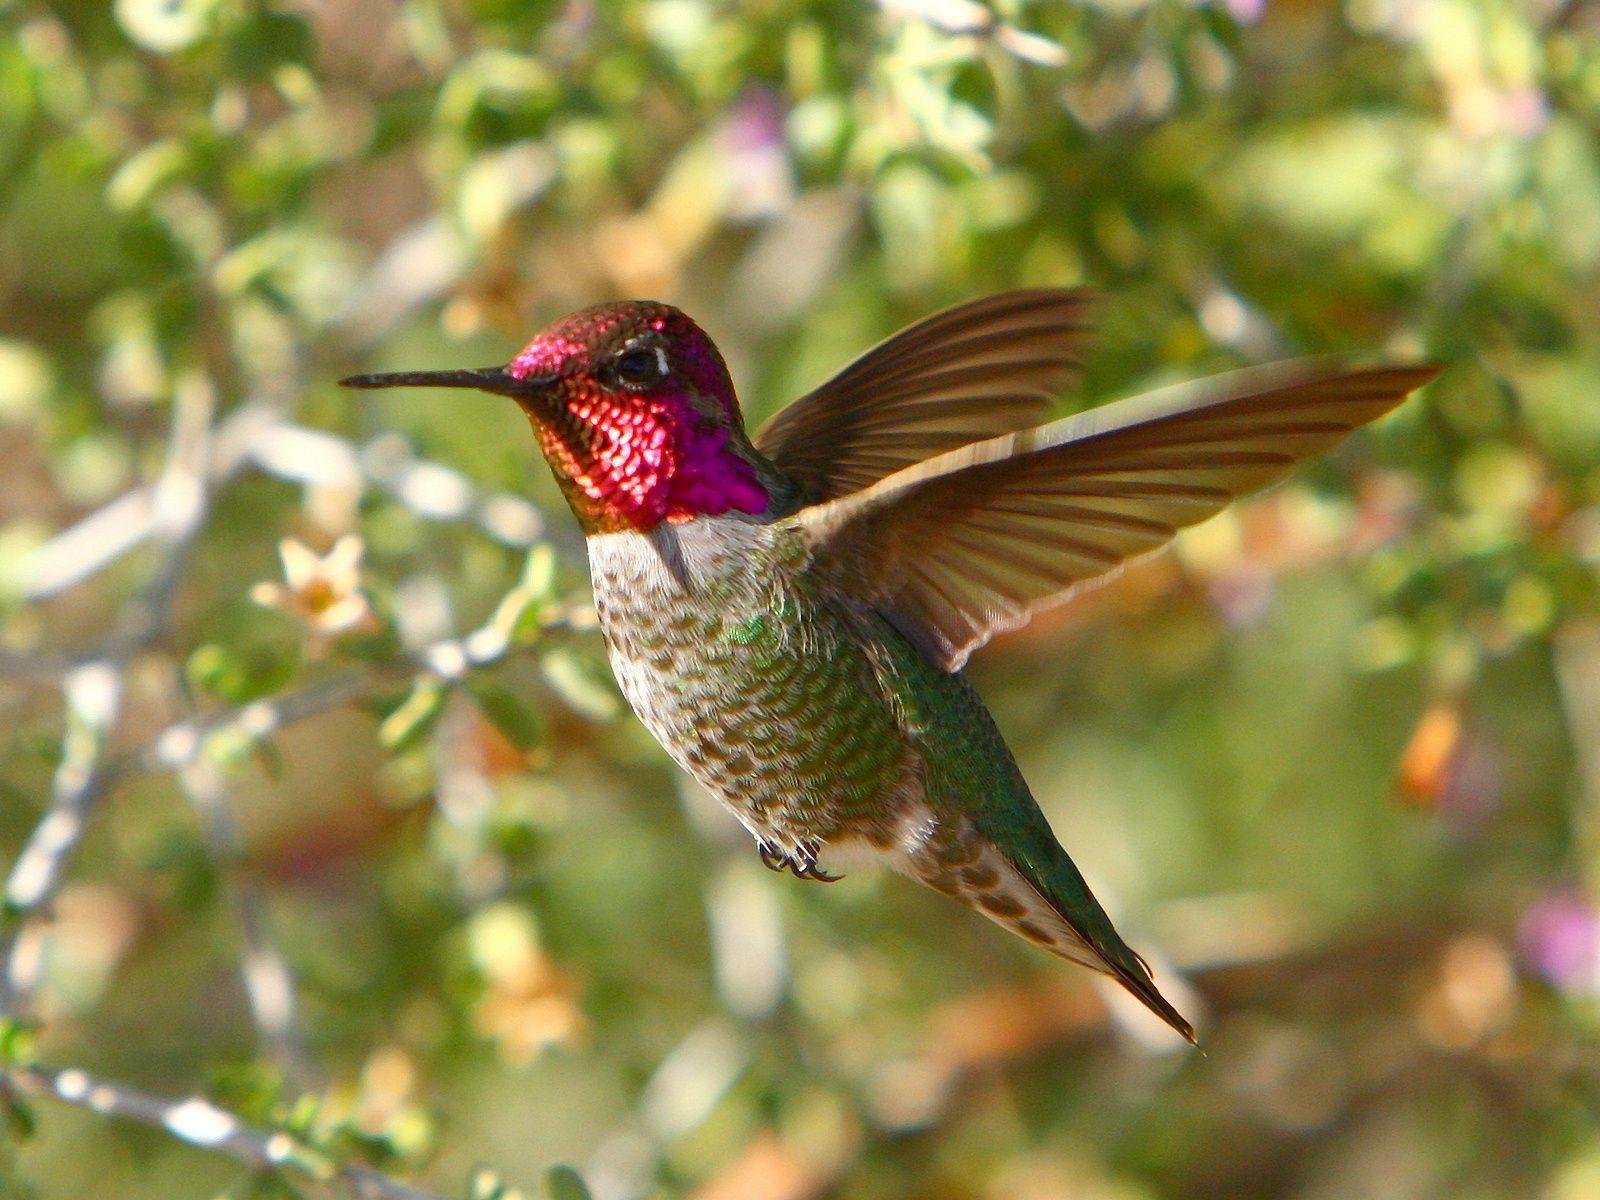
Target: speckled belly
(751, 682)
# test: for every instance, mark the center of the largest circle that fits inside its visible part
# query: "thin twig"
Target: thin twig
(93, 693)
(267, 980)
(388, 463)
(171, 510)
(965, 18)
(201, 1123)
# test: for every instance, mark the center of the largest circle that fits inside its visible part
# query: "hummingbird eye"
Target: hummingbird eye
(640, 366)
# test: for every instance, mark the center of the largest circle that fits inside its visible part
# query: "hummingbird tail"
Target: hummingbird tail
(1047, 903)
(1063, 887)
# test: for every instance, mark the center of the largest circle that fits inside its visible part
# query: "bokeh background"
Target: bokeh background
(353, 836)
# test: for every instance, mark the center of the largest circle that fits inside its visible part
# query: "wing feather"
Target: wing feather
(965, 545)
(957, 377)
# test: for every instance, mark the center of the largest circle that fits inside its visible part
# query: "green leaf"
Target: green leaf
(146, 173)
(195, 881)
(539, 572)
(16, 1041)
(19, 1119)
(229, 747)
(580, 681)
(410, 723)
(561, 1182)
(239, 674)
(520, 722)
(267, 41)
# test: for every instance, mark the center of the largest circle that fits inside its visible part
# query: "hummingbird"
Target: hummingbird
(788, 612)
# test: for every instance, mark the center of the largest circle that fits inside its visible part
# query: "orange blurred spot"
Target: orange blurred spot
(767, 1170)
(528, 1008)
(1009, 1023)
(1428, 761)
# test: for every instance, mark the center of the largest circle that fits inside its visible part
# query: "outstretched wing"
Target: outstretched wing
(969, 544)
(961, 375)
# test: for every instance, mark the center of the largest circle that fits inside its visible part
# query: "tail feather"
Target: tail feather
(1048, 903)
(975, 832)
(1065, 890)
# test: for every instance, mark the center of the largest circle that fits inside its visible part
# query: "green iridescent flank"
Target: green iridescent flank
(974, 775)
(765, 627)
(751, 630)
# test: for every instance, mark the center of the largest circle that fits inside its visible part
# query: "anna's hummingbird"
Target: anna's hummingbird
(788, 613)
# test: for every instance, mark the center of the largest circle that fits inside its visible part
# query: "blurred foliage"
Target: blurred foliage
(376, 857)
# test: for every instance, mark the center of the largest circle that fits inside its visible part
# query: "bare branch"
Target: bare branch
(172, 509)
(265, 975)
(201, 1123)
(93, 693)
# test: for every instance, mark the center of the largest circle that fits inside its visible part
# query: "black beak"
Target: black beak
(485, 379)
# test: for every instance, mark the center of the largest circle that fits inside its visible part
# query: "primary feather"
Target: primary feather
(956, 377)
(970, 543)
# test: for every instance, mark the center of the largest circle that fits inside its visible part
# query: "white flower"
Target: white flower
(321, 591)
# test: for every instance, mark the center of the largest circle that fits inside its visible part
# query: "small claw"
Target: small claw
(806, 867)
(811, 871)
(771, 859)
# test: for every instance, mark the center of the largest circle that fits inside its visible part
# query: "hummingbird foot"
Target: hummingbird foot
(810, 870)
(803, 865)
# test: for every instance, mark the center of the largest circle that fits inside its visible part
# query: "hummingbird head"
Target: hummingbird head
(635, 412)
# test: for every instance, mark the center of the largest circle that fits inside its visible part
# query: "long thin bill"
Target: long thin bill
(484, 379)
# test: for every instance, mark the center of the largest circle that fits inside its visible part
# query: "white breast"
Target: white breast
(696, 558)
